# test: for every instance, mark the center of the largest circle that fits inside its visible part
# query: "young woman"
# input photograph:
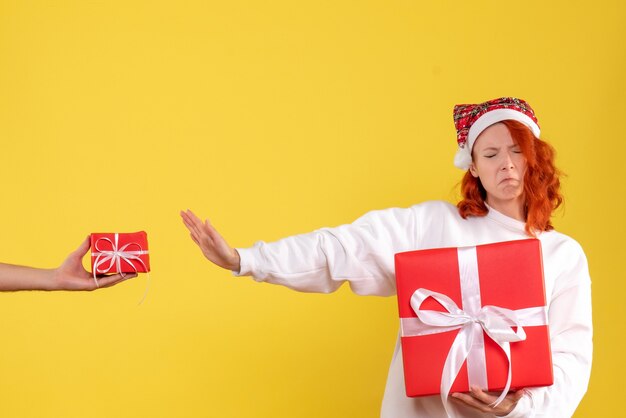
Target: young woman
(71, 275)
(510, 190)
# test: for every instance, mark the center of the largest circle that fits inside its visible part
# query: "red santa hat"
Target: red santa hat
(471, 120)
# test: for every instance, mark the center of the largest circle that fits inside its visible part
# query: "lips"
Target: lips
(509, 180)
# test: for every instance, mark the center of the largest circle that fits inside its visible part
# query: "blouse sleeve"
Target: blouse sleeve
(361, 253)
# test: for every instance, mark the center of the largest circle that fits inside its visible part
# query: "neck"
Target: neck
(513, 208)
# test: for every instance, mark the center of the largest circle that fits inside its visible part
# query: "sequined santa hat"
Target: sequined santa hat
(471, 120)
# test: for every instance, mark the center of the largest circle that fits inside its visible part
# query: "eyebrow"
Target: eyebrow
(498, 148)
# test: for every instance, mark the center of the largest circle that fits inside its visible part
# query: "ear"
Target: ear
(472, 170)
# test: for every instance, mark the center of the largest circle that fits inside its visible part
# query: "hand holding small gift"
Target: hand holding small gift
(70, 275)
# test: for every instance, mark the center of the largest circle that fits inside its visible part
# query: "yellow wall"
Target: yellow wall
(272, 118)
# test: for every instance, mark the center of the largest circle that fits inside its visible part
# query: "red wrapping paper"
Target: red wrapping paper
(510, 276)
(132, 256)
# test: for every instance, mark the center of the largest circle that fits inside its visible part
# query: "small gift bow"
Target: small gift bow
(115, 256)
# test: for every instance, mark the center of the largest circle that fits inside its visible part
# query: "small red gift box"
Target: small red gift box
(119, 253)
(473, 316)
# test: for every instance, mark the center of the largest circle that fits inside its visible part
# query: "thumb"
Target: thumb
(83, 247)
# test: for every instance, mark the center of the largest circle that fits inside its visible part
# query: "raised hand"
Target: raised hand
(213, 245)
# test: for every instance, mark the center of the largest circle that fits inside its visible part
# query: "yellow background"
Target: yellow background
(271, 118)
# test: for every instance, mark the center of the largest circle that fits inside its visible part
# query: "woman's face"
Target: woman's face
(499, 163)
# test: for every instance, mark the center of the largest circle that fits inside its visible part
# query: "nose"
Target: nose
(507, 163)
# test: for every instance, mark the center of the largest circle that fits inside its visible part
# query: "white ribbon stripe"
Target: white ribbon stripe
(496, 322)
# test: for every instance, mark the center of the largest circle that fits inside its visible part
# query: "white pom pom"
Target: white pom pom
(463, 158)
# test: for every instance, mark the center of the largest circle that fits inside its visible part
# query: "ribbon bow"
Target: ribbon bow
(497, 322)
(116, 256)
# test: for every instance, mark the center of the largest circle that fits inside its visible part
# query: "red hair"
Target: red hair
(541, 182)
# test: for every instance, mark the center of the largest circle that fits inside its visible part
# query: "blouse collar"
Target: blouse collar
(507, 221)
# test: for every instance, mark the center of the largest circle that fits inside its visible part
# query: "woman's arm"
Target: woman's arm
(569, 317)
(361, 253)
(71, 275)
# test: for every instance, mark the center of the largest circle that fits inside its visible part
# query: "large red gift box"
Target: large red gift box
(486, 283)
(119, 253)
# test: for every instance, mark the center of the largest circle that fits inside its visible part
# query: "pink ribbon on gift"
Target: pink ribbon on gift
(472, 320)
(116, 256)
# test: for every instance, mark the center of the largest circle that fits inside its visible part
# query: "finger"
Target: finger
(83, 247)
(114, 279)
(195, 239)
(186, 216)
(190, 213)
(202, 237)
(183, 216)
(212, 233)
(208, 226)
(190, 227)
(481, 395)
(203, 234)
(111, 284)
(195, 234)
(193, 218)
(209, 231)
(198, 226)
(469, 400)
(188, 221)
(205, 242)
